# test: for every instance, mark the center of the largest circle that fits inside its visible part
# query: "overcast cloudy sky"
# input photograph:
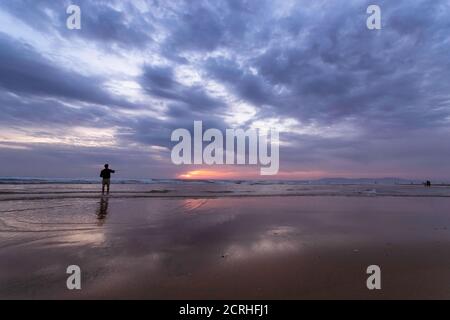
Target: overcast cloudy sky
(348, 101)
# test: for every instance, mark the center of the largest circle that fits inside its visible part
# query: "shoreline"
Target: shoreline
(211, 191)
(223, 196)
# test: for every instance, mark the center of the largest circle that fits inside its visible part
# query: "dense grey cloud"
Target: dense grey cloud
(159, 82)
(26, 111)
(356, 101)
(102, 21)
(208, 25)
(340, 69)
(25, 71)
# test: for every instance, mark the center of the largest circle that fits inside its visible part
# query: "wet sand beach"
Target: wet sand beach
(198, 245)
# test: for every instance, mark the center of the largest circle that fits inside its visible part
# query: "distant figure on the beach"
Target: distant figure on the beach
(106, 175)
(428, 183)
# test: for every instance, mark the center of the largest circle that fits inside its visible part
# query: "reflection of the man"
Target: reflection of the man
(102, 210)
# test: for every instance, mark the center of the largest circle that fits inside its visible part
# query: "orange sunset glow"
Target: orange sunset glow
(208, 174)
(248, 174)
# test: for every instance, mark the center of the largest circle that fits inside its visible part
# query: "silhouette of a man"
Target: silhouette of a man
(106, 175)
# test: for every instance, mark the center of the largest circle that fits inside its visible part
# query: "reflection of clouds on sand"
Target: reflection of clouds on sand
(95, 237)
(53, 223)
(46, 215)
(276, 240)
(224, 247)
(193, 204)
(80, 239)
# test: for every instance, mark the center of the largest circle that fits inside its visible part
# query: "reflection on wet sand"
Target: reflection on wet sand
(102, 210)
(193, 204)
(278, 240)
(309, 247)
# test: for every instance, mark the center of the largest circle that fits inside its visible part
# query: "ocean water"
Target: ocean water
(38, 188)
(325, 181)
